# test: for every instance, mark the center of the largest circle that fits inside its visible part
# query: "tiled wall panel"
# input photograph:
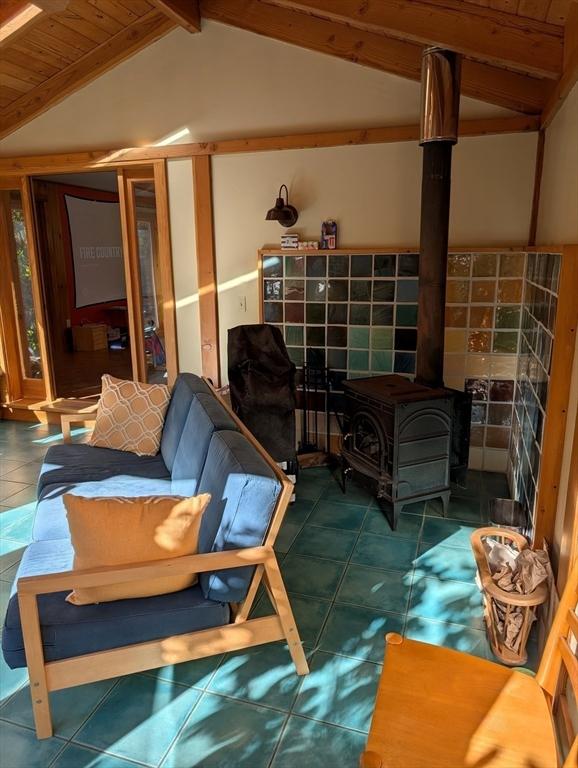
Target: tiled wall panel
(533, 375)
(357, 314)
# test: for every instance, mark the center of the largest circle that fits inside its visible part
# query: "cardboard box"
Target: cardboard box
(89, 337)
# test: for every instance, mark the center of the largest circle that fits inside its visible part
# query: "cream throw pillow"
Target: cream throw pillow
(117, 531)
(130, 416)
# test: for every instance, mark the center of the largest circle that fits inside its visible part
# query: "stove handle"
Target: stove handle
(346, 439)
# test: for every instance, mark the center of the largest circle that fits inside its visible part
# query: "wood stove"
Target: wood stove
(398, 437)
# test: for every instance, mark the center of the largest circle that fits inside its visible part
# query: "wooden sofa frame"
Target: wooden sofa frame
(243, 632)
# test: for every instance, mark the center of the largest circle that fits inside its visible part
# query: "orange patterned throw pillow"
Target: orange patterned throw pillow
(130, 416)
(117, 531)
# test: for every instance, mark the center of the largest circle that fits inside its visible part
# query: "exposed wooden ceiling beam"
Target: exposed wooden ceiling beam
(484, 38)
(184, 12)
(17, 18)
(570, 74)
(121, 46)
(99, 159)
(479, 80)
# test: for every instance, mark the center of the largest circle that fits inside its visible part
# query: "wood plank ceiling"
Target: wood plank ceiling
(517, 53)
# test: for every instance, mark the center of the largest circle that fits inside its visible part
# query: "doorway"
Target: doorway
(81, 256)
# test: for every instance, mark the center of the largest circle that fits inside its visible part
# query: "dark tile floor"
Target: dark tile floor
(350, 580)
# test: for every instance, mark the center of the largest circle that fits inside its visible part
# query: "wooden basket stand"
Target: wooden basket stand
(508, 602)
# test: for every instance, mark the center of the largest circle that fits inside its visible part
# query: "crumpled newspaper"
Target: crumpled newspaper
(514, 571)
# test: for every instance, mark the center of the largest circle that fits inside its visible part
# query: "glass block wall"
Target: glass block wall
(357, 314)
(483, 314)
(533, 375)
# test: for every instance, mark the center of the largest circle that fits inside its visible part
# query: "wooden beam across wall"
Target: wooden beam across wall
(112, 158)
(558, 395)
(495, 85)
(495, 38)
(206, 268)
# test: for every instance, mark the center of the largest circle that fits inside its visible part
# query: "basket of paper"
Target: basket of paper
(514, 580)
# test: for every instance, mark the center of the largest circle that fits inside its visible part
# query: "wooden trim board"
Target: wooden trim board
(558, 395)
(206, 268)
(114, 158)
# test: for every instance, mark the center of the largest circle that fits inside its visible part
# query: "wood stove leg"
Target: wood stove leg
(445, 497)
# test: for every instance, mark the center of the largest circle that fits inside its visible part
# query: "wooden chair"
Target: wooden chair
(438, 708)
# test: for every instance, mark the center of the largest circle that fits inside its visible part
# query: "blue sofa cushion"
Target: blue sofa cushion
(186, 387)
(206, 415)
(70, 630)
(244, 490)
(50, 520)
(79, 462)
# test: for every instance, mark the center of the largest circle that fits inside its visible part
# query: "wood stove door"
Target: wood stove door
(368, 440)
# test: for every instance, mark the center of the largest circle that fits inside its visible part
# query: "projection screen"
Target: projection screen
(96, 251)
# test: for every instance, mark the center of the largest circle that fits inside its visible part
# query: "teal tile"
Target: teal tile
(26, 473)
(332, 746)
(359, 338)
(408, 526)
(445, 563)
(354, 494)
(358, 360)
(139, 718)
(309, 487)
(339, 690)
(359, 632)
(26, 495)
(382, 338)
(406, 315)
(19, 747)
(344, 516)
(309, 614)
(263, 675)
(311, 576)
(328, 543)
(456, 602)
(196, 674)
(70, 707)
(466, 508)
(16, 524)
(299, 511)
(450, 533)
(495, 485)
(81, 757)
(10, 553)
(416, 508)
(382, 361)
(384, 590)
(10, 679)
(453, 636)
(286, 536)
(223, 732)
(386, 552)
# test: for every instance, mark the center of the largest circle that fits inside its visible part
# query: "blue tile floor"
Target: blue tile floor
(350, 579)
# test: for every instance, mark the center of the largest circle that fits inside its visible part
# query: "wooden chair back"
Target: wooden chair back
(558, 671)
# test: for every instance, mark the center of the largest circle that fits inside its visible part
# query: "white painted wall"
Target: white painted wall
(558, 215)
(222, 83)
(373, 192)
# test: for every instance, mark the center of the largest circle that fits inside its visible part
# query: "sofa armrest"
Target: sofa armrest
(66, 419)
(177, 566)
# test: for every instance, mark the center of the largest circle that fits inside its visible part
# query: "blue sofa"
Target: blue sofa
(203, 449)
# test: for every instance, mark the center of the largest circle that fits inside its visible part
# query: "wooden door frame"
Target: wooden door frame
(127, 178)
(18, 385)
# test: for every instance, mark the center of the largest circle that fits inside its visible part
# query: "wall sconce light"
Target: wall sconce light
(284, 213)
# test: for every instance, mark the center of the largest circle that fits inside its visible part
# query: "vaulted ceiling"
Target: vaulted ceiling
(519, 54)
